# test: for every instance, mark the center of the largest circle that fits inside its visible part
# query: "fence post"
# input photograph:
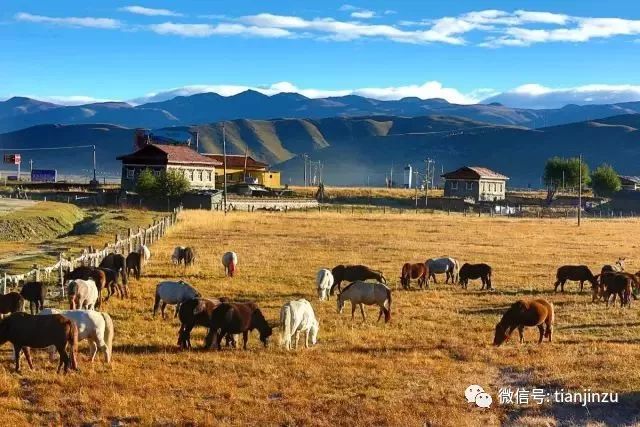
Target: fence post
(61, 274)
(37, 276)
(4, 284)
(130, 240)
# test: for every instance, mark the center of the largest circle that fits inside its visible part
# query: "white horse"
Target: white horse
(83, 294)
(295, 317)
(368, 293)
(145, 252)
(96, 327)
(173, 293)
(229, 262)
(177, 255)
(443, 265)
(324, 282)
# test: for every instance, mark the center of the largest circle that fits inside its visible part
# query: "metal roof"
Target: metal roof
(474, 172)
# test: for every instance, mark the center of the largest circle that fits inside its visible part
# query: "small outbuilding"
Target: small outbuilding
(244, 169)
(479, 183)
(631, 183)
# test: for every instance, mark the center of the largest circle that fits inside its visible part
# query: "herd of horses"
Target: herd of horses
(61, 330)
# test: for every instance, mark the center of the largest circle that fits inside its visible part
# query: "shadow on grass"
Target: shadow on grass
(145, 349)
(598, 325)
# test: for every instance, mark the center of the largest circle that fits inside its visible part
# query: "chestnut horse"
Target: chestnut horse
(353, 273)
(537, 312)
(413, 271)
(577, 273)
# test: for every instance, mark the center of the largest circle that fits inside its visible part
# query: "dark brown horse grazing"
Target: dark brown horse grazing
(537, 312)
(475, 271)
(353, 273)
(86, 273)
(613, 283)
(197, 312)
(413, 271)
(134, 264)
(11, 302)
(25, 331)
(112, 285)
(117, 263)
(577, 273)
(235, 318)
(35, 293)
(189, 256)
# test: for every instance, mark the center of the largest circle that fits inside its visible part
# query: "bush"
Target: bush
(147, 184)
(173, 184)
(605, 181)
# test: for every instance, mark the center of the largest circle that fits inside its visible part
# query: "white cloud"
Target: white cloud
(104, 23)
(206, 30)
(363, 14)
(140, 10)
(538, 96)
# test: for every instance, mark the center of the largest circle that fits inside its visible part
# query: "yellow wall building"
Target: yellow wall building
(240, 166)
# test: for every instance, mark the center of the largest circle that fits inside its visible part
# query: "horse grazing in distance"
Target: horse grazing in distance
(93, 326)
(35, 293)
(475, 271)
(189, 256)
(413, 271)
(11, 303)
(295, 317)
(26, 331)
(235, 318)
(85, 273)
(169, 292)
(360, 293)
(111, 283)
(576, 273)
(197, 312)
(82, 294)
(117, 263)
(229, 262)
(442, 265)
(324, 282)
(134, 264)
(617, 267)
(620, 284)
(352, 273)
(536, 312)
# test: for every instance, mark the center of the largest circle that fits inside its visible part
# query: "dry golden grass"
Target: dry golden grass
(360, 192)
(412, 371)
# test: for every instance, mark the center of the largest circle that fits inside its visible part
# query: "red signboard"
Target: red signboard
(13, 159)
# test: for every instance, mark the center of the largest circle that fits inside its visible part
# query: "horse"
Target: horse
(11, 303)
(413, 271)
(235, 318)
(229, 262)
(620, 284)
(145, 253)
(352, 273)
(85, 273)
(295, 317)
(82, 294)
(26, 331)
(577, 273)
(95, 327)
(173, 293)
(360, 293)
(111, 283)
(189, 256)
(475, 271)
(442, 265)
(617, 267)
(536, 312)
(324, 282)
(117, 263)
(197, 312)
(134, 264)
(178, 255)
(35, 293)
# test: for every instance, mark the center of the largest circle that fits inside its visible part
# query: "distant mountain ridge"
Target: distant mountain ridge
(20, 112)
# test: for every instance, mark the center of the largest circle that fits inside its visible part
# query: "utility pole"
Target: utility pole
(30, 165)
(94, 164)
(415, 180)
(304, 161)
(224, 158)
(428, 163)
(391, 177)
(580, 193)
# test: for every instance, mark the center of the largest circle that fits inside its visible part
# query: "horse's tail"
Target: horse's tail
(72, 342)
(388, 313)
(285, 324)
(456, 270)
(232, 267)
(108, 334)
(550, 320)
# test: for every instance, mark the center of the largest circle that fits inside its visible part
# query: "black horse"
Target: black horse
(117, 263)
(34, 292)
(197, 312)
(235, 318)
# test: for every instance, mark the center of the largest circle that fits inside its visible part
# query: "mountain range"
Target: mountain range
(360, 150)
(20, 112)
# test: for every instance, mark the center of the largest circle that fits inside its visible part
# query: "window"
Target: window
(131, 173)
(190, 175)
(500, 187)
(209, 176)
(469, 185)
(454, 185)
(156, 172)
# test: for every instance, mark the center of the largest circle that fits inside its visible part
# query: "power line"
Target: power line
(48, 148)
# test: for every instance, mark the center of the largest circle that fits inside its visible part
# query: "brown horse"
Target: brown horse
(413, 271)
(86, 273)
(11, 302)
(353, 273)
(134, 264)
(235, 318)
(577, 273)
(112, 284)
(117, 263)
(35, 293)
(25, 331)
(537, 312)
(475, 271)
(616, 284)
(197, 312)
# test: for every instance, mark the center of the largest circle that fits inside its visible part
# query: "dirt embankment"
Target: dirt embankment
(41, 221)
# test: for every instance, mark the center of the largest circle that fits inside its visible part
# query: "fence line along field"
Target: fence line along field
(411, 371)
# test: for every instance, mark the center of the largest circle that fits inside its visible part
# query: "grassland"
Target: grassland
(410, 372)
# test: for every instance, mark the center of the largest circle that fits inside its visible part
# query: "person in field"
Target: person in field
(526, 313)
(296, 317)
(324, 282)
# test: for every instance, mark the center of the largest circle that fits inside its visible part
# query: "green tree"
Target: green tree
(560, 171)
(172, 184)
(147, 184)
(605, 181)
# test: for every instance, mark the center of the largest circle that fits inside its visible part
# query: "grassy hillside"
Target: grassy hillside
(45, 220)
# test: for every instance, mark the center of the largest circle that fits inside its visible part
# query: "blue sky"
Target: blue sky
(537, 53)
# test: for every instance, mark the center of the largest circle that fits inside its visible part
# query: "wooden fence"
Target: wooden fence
(92, 256)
